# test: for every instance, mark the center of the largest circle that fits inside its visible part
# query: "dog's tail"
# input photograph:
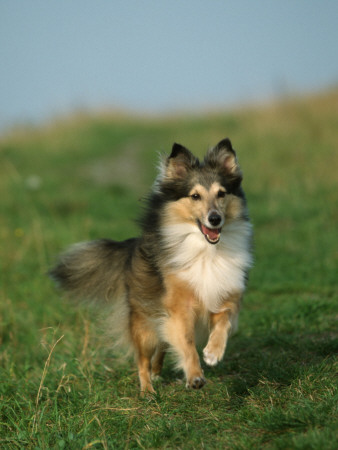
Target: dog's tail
(94, 270)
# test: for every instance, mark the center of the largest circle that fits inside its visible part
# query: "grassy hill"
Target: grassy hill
(84, 177)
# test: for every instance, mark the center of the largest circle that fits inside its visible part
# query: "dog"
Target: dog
(186, 272)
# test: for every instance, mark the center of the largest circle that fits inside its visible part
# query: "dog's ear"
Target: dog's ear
(223, 157)
(180, 161)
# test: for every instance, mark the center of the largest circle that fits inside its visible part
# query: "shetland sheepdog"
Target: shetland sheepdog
(188, 267)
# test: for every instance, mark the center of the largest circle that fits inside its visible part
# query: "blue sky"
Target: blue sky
(156, 56)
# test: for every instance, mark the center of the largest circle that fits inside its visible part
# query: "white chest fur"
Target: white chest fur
(213, 271)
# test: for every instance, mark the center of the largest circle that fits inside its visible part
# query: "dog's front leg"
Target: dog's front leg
(221, 325)
(178, 330)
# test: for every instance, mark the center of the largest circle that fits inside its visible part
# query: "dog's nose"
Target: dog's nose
(214, 218)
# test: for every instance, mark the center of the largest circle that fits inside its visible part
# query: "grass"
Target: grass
(84, 177)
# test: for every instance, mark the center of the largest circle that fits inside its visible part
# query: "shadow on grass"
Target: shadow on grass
(277, 359)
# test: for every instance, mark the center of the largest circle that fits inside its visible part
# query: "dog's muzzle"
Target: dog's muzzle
(213, 233)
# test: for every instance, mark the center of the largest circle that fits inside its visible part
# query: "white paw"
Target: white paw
(210, 358)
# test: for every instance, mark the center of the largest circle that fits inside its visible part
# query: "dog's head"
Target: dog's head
(206, 193)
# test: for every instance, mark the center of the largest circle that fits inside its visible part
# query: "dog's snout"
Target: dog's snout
(214, 218)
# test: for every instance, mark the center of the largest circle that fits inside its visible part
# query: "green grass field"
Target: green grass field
(83, 178)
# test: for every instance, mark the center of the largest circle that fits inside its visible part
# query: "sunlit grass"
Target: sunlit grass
(84, 178)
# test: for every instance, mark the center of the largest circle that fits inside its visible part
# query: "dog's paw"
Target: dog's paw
(212, 357)
(147, 391)
(209, 358)
(196, 382)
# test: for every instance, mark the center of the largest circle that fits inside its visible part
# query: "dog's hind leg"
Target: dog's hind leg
(157, 360)
(143, 364)
(145, 343)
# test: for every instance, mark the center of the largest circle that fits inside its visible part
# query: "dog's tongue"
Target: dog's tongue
(213, 234)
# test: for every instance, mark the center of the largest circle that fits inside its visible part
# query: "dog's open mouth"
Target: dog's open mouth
(212, 235)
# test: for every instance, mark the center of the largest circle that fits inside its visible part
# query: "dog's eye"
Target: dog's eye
(196, 196)
(221, 194)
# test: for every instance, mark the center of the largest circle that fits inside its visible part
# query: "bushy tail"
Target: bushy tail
(94, 270)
